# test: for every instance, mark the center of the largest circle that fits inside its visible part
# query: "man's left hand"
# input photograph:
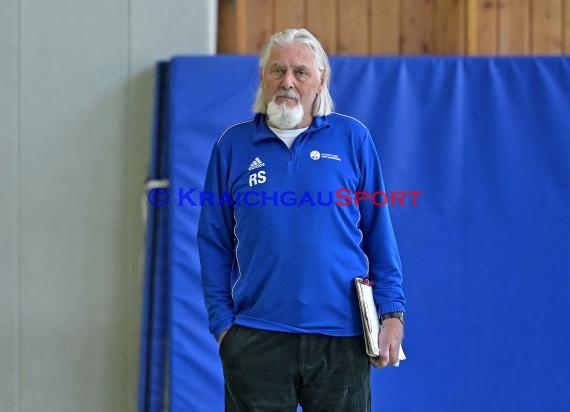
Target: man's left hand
(390, 339)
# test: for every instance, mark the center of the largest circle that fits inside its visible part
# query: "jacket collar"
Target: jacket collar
(262, 131)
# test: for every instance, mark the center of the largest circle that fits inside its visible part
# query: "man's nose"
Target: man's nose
(288, 80)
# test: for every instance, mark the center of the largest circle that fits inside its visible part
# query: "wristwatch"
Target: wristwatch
(389, 315)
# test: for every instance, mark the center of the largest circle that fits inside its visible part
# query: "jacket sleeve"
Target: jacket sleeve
(216, 244)
(378, 239)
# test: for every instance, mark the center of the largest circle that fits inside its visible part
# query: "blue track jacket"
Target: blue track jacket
(281, 237)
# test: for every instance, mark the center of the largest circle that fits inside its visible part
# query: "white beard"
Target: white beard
(283, 116)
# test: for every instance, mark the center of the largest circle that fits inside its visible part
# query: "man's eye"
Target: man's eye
(301, 72)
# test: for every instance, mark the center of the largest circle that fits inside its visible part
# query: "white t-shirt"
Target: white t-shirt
(288, 135)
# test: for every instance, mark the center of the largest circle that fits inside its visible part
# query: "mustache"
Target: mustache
(282, 92)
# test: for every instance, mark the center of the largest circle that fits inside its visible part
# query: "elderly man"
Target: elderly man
(279, 255)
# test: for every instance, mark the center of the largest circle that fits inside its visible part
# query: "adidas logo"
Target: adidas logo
(256, 164)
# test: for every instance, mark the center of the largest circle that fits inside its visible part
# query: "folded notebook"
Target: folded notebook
(370, 320)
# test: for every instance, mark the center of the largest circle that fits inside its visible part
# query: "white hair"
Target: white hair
(323, 104)
(283, 116)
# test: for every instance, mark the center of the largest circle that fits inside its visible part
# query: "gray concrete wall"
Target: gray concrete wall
(76, 88)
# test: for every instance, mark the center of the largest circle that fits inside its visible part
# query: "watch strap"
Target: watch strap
(391, 315)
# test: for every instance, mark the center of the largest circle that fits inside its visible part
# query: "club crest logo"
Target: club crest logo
(316, 155)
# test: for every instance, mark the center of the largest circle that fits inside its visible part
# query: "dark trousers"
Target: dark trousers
(274, 371)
